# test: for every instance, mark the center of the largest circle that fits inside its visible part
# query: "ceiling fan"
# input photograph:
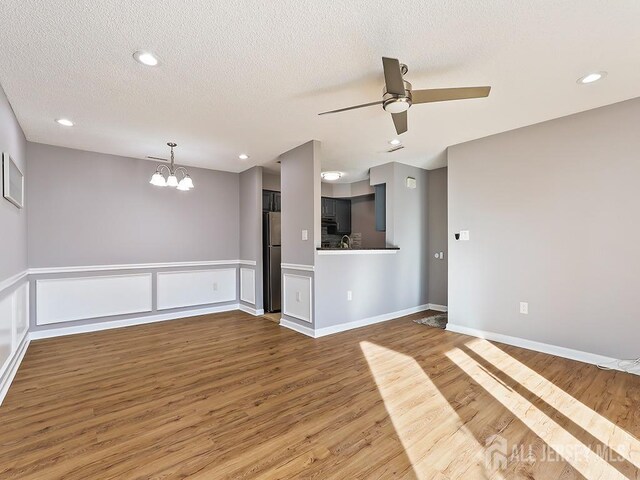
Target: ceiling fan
(398, 95)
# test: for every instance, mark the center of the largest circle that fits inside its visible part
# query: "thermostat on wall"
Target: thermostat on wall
(411, 182)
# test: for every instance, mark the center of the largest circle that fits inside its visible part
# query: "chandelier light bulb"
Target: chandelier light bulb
(158, 180)
(172, 181)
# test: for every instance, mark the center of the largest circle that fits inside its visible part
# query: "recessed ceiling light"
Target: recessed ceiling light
(592, 77)
(394, 142)
(65, 122)
(146, 58)
(243, 156)
(331, 176)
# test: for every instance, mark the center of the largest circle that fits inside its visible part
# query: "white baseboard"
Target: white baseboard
(251, 310)
(437, 308)
(343, 327)
(12, 365)
(96, 327)
(558, 351)
(308, 331)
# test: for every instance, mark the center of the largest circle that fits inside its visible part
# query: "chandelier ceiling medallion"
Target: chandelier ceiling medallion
(158, 179)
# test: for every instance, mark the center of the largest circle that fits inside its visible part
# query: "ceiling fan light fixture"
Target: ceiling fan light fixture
(591, 77)
(397, 105)
(331, 176)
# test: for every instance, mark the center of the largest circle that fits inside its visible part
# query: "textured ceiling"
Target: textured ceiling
(251, 76)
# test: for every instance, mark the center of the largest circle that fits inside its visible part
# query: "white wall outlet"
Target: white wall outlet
(524, 308)
(305, 235)
(464, 235)
(441, 255)
(349, 295)
(215, 286)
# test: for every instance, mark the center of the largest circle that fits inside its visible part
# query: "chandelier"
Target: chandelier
(158, 179)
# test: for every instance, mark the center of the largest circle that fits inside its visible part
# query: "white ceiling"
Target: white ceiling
(251, 76)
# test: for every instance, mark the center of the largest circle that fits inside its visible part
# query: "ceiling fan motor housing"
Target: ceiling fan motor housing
(393, 103)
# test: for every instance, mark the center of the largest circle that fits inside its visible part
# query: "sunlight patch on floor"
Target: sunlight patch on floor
(595, 424)
(583, 459)
(433, 436)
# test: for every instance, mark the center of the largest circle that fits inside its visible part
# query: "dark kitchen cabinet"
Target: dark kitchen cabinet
(343, 216)
(328, 207)
(270, 201)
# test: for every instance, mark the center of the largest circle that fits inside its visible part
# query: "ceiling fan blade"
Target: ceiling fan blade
(352, 108)
(400, 121)
(157, 158)
(393, 76)
(446, 94)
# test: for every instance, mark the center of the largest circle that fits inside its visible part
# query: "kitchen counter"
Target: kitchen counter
(356, 251)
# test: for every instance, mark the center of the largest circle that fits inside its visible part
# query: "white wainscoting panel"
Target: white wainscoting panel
(67, 299)
(20, 313)
(196, 287)
(248, 285)
(14, 323)
(6, 329)
(298, 296)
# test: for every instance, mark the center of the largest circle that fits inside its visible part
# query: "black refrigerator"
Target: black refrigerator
(271, 258)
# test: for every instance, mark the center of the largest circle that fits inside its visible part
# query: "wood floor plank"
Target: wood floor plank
(235, 396)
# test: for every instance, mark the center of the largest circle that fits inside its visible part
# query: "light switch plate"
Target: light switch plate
(464, 235)
(524, 308)
(305, 234)
(349, 295)
(411, 182)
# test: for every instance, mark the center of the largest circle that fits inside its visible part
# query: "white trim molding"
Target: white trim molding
(385, 317)
(135, 266)
(348, 251)
(296, 327)
(247, 262)
(108, 325)
(569, 353)
(9, 282)
(297, 266)
(10, 368)
(343, 327)
(250, 310)
(437, 308)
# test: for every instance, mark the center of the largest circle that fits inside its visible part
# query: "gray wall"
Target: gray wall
(438, 236)
(300, 196)
(270, 181)
(363, 221)
(251, 224)
(381, 284)
(300, 174)
(95, 209)
(13, 221)
(553, 213)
